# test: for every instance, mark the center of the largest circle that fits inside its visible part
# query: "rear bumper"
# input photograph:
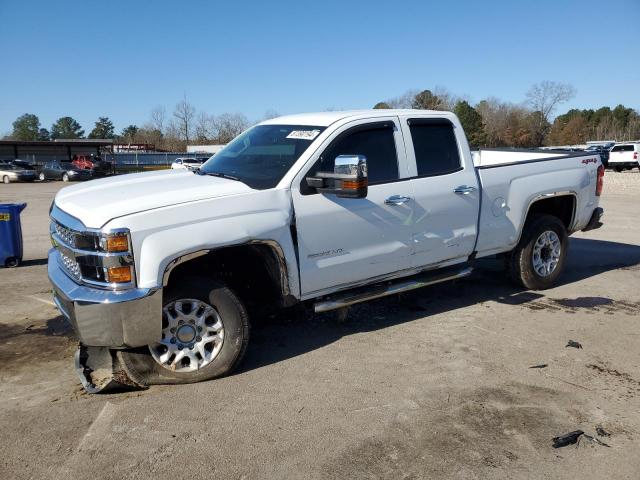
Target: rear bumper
(105, 318)
(630, 164)
(594, 222)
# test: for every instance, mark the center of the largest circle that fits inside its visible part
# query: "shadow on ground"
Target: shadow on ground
(297, 332)
(41, 340)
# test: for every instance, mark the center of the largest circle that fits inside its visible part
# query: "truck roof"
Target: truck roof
(324, 119)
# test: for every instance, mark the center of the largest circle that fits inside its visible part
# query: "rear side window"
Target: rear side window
(435, 146)
(377, 144)
(622, 148)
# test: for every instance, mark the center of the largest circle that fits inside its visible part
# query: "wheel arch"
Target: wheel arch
(241, 266)
(559, 204)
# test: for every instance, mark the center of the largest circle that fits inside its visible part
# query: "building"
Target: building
(204, 148)
(38, 153)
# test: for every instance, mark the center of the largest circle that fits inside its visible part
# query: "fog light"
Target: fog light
(119, 274)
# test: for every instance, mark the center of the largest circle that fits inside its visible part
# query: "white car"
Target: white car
(188, 163)
(323, 210)
(624, 156)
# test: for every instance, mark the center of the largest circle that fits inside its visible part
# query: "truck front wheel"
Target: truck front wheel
(205, 332)
(538, 259)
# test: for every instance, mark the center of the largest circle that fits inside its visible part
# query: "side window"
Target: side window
(377, 144)
(435, 146)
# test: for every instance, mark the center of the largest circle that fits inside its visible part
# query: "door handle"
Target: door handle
(397, 200)
(464, 190)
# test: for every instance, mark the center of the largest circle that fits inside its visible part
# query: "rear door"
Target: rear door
(345, 241)
(445, 191)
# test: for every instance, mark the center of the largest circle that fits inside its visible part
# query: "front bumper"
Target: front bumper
(107, 318)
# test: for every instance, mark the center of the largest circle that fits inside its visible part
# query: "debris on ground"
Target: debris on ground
(542, 365)
(595, 440)
(567, 439)
(574, 344)
(602, 432)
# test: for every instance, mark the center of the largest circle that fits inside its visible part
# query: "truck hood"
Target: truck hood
(98, 201)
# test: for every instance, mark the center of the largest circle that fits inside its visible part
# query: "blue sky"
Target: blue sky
(121, 58)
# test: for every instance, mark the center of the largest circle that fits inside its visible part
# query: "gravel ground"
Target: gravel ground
(435, 384)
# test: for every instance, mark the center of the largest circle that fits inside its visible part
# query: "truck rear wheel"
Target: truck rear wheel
(538, 259)
(205, 332)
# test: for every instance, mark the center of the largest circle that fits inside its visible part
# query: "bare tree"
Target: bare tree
(545, 96)
(184, 115)
(205, 127)
(230, 125)
(403, 101)
(158, 118)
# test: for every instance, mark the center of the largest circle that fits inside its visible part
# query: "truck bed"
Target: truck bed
(511, 180)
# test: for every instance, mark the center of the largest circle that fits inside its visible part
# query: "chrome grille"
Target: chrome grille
(66, 234)
(71, 266)
(81, 252)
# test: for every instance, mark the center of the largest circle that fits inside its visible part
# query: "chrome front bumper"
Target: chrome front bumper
(107, 318)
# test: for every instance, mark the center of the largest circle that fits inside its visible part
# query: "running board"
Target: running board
(362, 294)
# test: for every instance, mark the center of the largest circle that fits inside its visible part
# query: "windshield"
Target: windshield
(262, 155)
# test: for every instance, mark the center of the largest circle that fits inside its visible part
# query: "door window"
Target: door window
(435, 147)
(375, 143)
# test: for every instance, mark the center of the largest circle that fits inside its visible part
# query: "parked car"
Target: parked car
(14, 173)
(324, 210)
(189, 163)
(624, 156)
(64, 172)
(601, 150)
(97, 166)
(24, 164)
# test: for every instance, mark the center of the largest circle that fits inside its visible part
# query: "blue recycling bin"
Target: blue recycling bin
(10, 234)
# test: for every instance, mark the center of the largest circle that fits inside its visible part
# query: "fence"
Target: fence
(144, 162)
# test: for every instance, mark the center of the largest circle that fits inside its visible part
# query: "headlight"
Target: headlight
(115, 242)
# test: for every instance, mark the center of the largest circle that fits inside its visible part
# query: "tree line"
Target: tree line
(489, 123)
(185, 125)
(494, 123)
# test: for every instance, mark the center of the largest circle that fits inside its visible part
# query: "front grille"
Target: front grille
(66, 234)
(71, 266)
(82, 254)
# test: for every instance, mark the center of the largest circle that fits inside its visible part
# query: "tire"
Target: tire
(143, 368)
(12, 262)
(6, 180)
(618, 169)
(65, 177)
(42, 177)
(528, 259)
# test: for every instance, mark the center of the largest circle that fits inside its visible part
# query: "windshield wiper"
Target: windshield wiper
(219, 174)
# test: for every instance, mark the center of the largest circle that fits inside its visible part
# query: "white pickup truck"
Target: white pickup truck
(158, 272)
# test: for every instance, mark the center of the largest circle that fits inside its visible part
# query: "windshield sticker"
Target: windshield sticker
(304, 134)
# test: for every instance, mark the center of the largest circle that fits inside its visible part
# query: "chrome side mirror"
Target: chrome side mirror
(348, 180)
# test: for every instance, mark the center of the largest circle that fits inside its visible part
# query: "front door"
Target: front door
(345, 241)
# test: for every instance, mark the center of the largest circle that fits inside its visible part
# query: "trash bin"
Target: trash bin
(10, 234)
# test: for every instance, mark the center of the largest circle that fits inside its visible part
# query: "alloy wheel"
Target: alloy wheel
(192, 336)
(546, 253)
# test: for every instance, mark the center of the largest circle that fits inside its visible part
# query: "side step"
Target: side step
(362, 294)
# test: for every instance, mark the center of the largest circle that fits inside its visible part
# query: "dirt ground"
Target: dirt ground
(435, 384)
